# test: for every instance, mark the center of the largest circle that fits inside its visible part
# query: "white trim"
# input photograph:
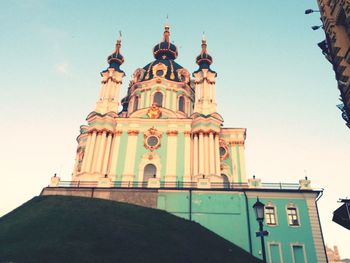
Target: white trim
(292, 205)
(155, 160)
(269, 243)
(297, 244)
(270, 204)
(163, 98)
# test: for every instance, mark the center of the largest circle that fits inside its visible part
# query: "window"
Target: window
(270, 215)
(292, 215)
(149, 171)
(158, 99)
(222, 151)
(275, 252)
(152, 141)
(136, 103)
(159, 73)
(298, 253)
(182, 104)
(225, 181)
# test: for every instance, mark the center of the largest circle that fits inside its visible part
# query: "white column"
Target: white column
(187, 156)
(114, 154)
(106, 157)
(174, 101)
(101, 91)
(112, 90)
(201, 154)
(202, 91)
(217, 155)
(213, 93)
(130, 155)
(116, 93)
(171, 156)
(91, 151)
(148, 98)
(167, 99)
(206, 154)
(234, 162)
(195, 154)
(96, 151)
(141, 100)
(196, 93)
(242, 163)
(86, 153)
(211, 154)
(101, 151)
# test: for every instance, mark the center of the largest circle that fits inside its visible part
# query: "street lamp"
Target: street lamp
(259, 212)
(309, 11)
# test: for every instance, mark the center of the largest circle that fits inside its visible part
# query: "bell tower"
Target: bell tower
(205, 101)
(108, 99)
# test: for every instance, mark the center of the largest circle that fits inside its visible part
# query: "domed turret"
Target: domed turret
(165, 49)
(204, 60)
(116, 59)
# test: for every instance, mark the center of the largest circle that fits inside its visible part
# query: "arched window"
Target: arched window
(150, 171)
(225, 181)
(136, 103)
(158, 99)
(182, 104)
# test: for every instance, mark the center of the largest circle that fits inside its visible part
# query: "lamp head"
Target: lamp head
(259, 210)
(316, 27)
(308, 11)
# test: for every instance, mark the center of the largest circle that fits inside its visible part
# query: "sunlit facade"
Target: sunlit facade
(335, 16)
(164, 146)
(168, 130)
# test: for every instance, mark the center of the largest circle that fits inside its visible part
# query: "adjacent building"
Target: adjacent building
(167, 148)
(334, 256)
(335, 16)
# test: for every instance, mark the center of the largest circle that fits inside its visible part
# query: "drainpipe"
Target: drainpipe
(190, 204)
(318, 216)
(248, 223)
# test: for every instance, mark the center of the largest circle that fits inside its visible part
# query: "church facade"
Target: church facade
(168, 130)
(167, 149)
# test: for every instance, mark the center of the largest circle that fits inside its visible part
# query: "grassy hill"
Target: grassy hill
(74, 229)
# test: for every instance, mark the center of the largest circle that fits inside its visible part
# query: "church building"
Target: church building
(168, 130)
(163, 145)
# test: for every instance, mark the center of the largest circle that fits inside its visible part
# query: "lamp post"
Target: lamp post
(259, 212)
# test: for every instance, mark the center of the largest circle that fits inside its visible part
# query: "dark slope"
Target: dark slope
(74, 229)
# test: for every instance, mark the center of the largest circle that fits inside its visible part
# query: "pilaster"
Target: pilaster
(170, 175)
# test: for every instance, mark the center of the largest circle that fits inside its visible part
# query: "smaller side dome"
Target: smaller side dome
(116, 58)
(204, 60)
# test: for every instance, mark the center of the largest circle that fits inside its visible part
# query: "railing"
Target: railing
(178, 185)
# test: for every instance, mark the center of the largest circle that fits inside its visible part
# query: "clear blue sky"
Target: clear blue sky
(272, 79)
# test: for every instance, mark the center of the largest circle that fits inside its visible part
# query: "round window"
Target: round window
(222, 151)
(159, 73)
(152, 141)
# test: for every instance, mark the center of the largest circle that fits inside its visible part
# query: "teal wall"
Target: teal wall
(161, 151)
(284, 233)
(222, 213)
(225, 214)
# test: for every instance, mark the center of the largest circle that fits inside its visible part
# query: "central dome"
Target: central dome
(165, 49)
(164, 66)
(170, 71)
